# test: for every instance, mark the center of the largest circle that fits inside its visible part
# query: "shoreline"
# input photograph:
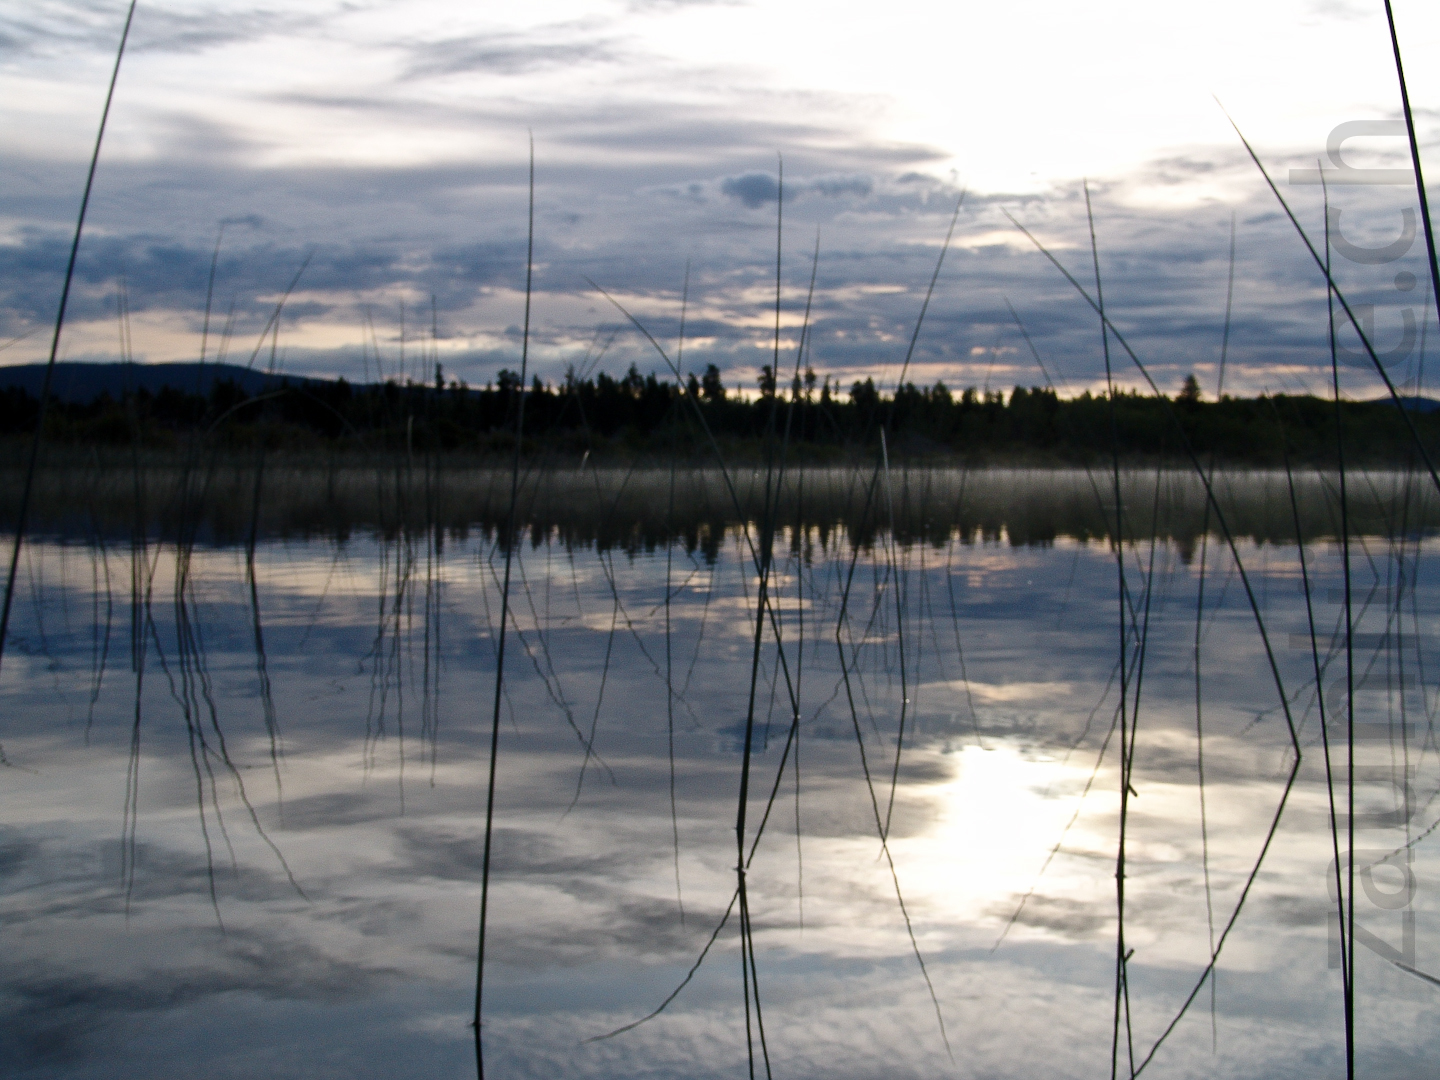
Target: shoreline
(225, 498)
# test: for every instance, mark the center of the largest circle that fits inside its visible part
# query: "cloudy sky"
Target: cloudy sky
(386, 141)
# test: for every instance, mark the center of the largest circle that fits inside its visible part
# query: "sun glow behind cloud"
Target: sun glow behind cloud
(1012, 98)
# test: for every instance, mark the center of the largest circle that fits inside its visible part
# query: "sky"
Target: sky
(379, 148)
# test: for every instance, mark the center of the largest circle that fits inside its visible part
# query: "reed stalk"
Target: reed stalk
(39, 436)
(508, 541)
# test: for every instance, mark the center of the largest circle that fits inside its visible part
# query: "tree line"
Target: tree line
(643, 415)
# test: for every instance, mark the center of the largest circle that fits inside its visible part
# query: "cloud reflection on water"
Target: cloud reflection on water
(380, 822)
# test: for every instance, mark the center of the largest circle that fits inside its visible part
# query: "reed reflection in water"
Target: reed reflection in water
(631, 507)
(244, 803)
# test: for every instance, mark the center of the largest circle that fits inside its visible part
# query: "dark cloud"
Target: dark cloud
(752, 189)
(503, 55)
(168, 31)
(1070, 918)
(336, 808)
(159, 274)
(50, 1013)
(834, 187)
(1178, 170)
(623, 920)
(459, 857)
(16, 850)
(1299, 910)
(755, 189)
(75, 25)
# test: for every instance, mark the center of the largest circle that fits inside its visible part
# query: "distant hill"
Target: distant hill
(1414, 404)
(80, 383)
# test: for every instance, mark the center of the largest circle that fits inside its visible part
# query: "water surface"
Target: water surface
(244, 808)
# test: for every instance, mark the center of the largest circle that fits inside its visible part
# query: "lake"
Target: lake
(244, 807)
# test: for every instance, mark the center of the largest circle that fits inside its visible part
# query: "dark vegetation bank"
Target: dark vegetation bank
(642, 416)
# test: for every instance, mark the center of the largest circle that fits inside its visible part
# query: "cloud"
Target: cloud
(335, 808)
(16, 850)
(69, 26)
(1064, 916)
(167, 31)
(755, 189)
(503, 55)
(834, 187)
(752, 189)
(51, 1009)
(627, 196)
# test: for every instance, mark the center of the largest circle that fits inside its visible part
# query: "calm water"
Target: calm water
(242, 830)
